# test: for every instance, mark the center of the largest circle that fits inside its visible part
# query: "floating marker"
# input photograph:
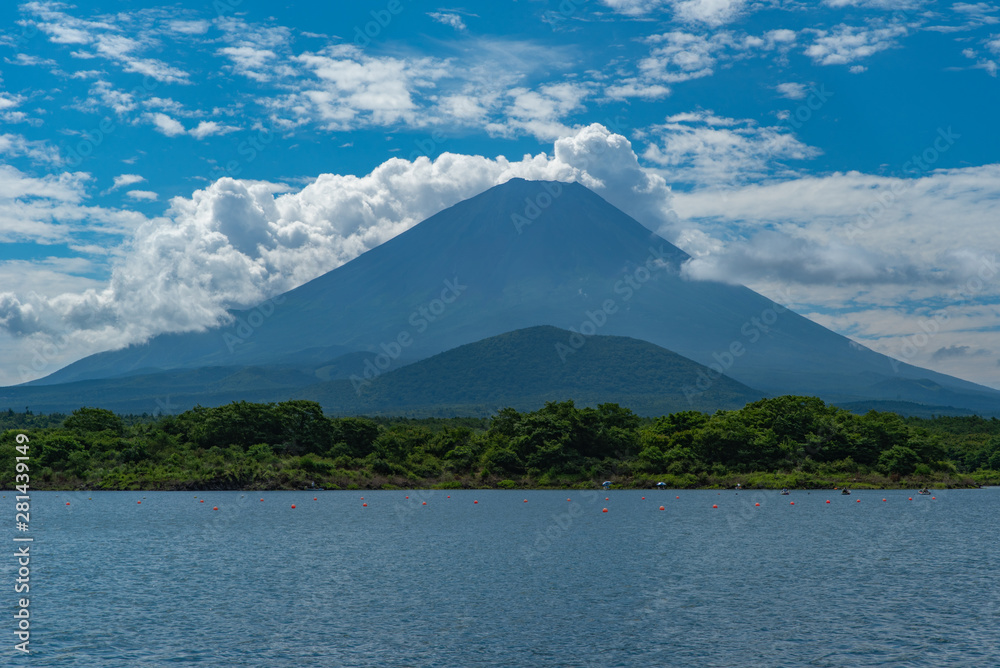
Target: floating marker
(567, 499)
(643, 498)
(365, 505)
(605, 510)
(910, 499)
(293, 505)
(678, 497)
(792, 503)
(315, 499)
(714, 506)
(828, 500)
(933, 498)
(362, 498)
(449, 496)
(407, 497)
(262, 499)
(215, 507)
(139, 502)
(202, 501)
(662, 508)
(525, 500)
(425, 503)
(883, 500)
(67, 503)
(859, 500)
(475, 502)
(607, 499)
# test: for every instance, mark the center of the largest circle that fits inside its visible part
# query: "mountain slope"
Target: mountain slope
(528, 367)
(533, 253)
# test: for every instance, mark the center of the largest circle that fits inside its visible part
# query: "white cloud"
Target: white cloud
(123, 180)
(199, 27)
(792, 91)
(709, 12)
(235, 243)
(846, 44)
(448, 19)
(171, 127)
(38, 151)
(701, 148)
(142, 195)
(539, 113)
(249, 61)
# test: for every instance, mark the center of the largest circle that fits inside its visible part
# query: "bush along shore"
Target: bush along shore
(789, 441)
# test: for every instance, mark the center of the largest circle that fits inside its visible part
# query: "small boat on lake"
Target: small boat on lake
(784, 492)
(845, 492)
(925, 492)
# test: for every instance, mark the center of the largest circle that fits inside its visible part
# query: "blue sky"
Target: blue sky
(160, 163)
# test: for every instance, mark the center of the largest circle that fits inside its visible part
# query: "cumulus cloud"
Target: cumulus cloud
(123, 180)
(142, 195)
(38, 151)
(235, 243)
(448, 19)
(705, 149)
(709, 12)
(845, 44)
(792, 91)
(171, 127)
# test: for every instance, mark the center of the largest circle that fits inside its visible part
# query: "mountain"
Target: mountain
(522, 369)
(526, 368)
(524, 254)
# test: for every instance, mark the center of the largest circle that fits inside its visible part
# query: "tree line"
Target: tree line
(788, 441)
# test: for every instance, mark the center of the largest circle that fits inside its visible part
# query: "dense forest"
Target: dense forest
(787, 441)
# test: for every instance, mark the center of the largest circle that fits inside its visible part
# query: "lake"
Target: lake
(504, 582)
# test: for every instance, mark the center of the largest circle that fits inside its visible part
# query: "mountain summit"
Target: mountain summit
(528, 253)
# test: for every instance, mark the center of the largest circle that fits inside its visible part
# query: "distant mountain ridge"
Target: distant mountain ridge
(524, 254)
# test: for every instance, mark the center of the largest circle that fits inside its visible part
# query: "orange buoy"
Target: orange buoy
(475, 502)
(828, 500)
(605, 510)
(525, 500)
(758, 505)
(425, 503)
(449, 496)
(293, 505)
(365, 505)
(859, 500)
(407, 497)
(643, 498)
(662, 508)
(202, 501)
(933, 498)
(678, 497)
(714, 506)
(910, 499)
(567, 499)
(67, 503)
(215, 507)
(607, 498)
(139, 502)
(792, 503)
(262, 499)
(314, 498)
(883, 499)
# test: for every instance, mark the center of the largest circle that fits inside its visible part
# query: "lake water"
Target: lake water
(502, 582)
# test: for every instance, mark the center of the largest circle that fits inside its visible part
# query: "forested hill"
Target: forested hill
(785, 441)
